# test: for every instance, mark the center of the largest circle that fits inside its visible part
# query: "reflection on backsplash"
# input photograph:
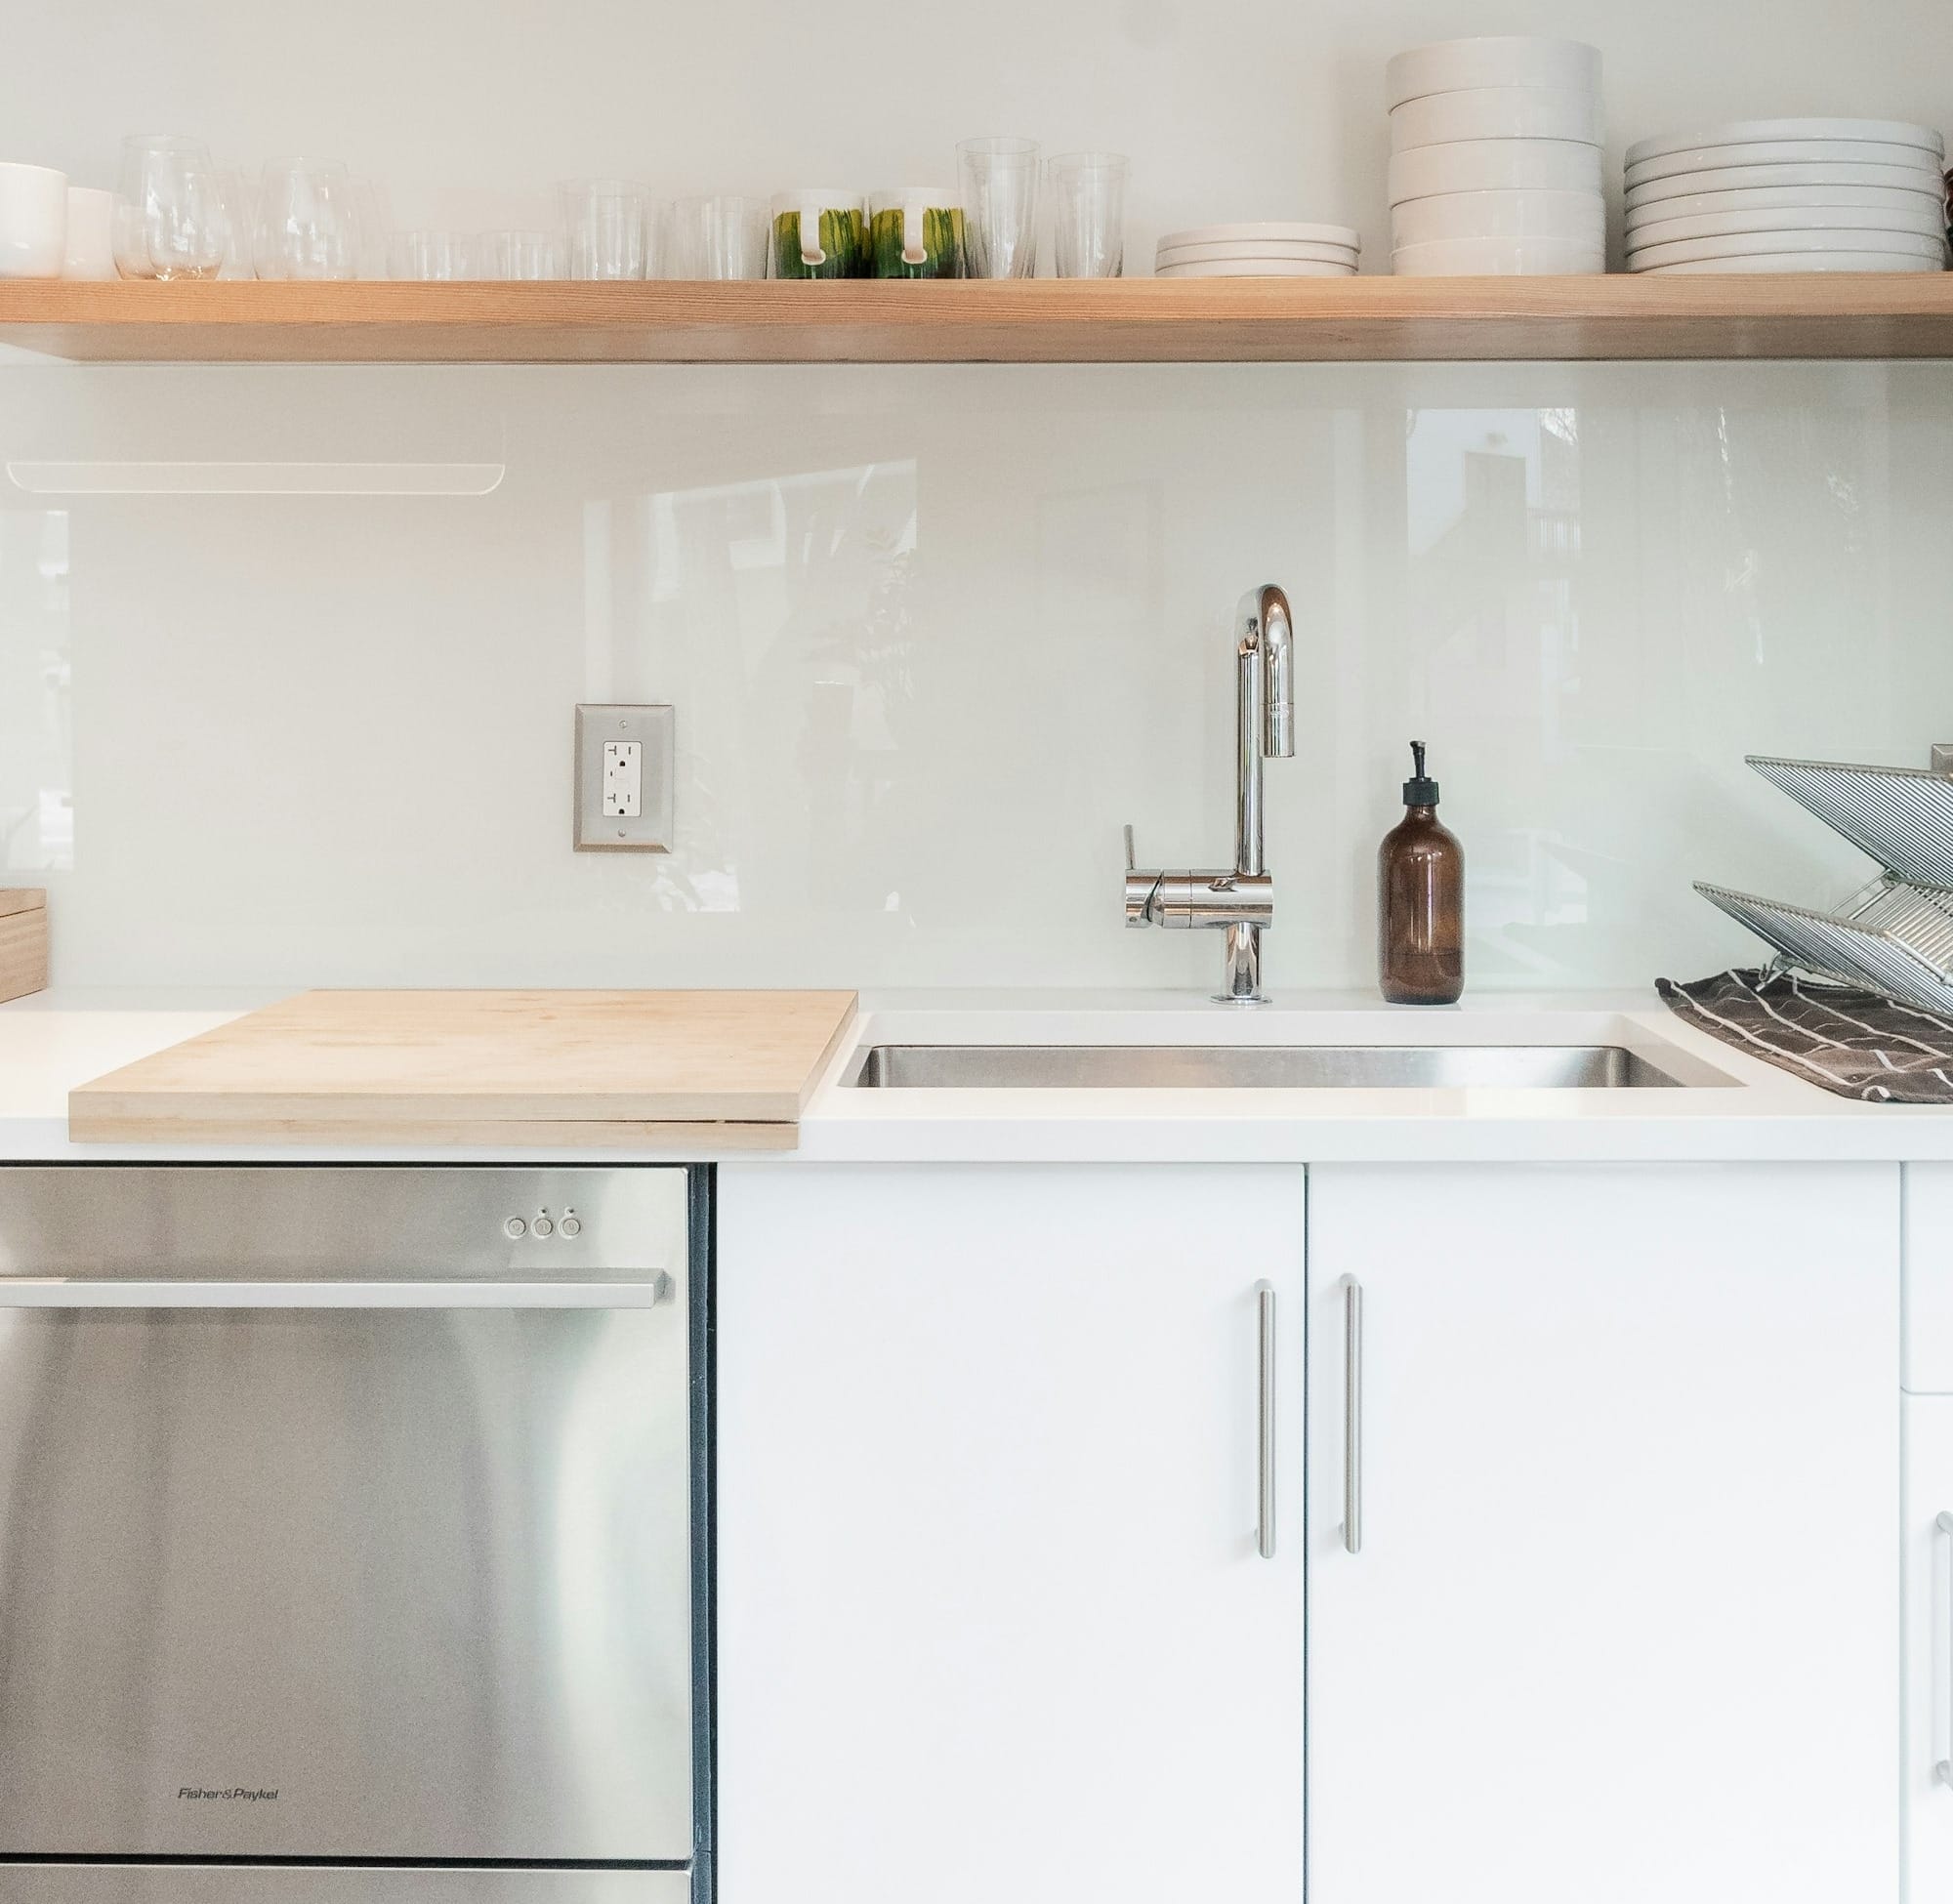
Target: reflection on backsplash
(933, 635)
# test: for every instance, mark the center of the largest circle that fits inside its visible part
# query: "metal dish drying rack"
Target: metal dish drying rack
(1896, 934)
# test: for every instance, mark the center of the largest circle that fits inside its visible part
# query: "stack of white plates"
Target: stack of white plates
(1259, 250)
(1495, 158)
(1789, 195)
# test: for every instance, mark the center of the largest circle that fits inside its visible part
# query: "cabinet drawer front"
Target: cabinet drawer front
(1928, 1648)
(1929, 1278)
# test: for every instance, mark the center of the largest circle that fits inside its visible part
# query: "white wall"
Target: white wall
(933, 635)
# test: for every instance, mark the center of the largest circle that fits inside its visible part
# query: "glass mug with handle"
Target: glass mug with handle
(916, 231)
(820, 231)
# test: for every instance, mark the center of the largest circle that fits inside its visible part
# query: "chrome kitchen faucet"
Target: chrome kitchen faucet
(1243, 901)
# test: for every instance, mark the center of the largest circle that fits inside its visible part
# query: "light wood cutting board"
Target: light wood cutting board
(704, 1070)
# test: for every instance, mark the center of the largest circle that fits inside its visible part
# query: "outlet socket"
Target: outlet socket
(626, 778)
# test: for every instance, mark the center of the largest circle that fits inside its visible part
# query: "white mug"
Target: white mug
(33, 221)
(90, 251)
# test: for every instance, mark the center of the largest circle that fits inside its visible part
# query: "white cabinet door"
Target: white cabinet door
(1928, 1649)
(992, 1623)
(1623, 1628)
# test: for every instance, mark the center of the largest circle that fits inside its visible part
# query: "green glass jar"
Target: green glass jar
(915, 232)
(819, 234)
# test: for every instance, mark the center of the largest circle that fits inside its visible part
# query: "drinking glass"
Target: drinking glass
(1000, 193)
(517, 254)
(430, 257)
(169, 219)
(372, 225)
(1088, 214)
(240, 224)
(606, 227)
(306, 222)
(720, 236)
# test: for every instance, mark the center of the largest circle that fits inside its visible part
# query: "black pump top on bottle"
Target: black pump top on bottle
(1420, 790)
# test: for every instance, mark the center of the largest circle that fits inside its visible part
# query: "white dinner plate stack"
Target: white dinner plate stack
(1495, 159)
(1789, 195)
(1267, 249)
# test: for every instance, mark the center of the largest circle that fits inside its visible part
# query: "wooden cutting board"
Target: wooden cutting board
(703, 1070)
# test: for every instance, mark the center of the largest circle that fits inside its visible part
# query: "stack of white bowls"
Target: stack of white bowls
(1266, 249)
(1789, 195)
(1495, 159)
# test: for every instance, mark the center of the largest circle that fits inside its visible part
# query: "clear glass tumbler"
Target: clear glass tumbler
(1088, 214)
(1000, 195)
(307, 225)
(527, 256)
(606, 227)
(430, 257)
(720, 236)
(170, 219)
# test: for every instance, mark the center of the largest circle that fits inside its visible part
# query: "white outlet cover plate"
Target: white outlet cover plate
(651, 727)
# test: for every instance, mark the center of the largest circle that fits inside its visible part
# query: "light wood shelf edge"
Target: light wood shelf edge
(1133, 320)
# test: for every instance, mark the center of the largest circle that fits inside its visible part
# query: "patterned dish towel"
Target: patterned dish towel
(1856, 1042)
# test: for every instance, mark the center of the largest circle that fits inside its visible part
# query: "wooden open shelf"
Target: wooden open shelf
(1130, 320)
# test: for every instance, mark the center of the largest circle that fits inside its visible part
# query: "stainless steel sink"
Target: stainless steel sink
(1263, 1067)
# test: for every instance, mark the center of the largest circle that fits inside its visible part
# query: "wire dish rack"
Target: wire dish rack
(1895, 934)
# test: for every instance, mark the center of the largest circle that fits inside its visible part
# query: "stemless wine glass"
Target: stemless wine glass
(306, 222)
(606, 227)
(720, 236)
(169, 219)
(1000, 193)
(1088, 214)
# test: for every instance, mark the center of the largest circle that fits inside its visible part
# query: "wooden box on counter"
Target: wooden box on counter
(23, 941)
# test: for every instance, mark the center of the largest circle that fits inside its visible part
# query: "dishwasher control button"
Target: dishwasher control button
(515, 1227)
(544, 1227)
(572, 1225)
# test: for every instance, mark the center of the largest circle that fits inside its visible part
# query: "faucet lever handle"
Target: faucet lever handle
(1131, 862)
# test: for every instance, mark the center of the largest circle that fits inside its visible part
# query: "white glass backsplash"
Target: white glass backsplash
(932, 636)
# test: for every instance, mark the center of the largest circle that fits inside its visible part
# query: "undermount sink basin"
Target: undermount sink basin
(1263, 1068)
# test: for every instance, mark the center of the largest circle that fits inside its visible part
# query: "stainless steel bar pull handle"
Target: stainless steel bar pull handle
(1265, 1501)
(1943, 1739)
(1352, 1415)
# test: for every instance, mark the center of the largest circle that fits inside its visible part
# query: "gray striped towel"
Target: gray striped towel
(1856, 1042)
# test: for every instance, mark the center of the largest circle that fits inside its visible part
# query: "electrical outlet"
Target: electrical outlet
(625, 779)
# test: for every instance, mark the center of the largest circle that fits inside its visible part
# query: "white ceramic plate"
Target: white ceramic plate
(1696, 251)
(1495, 165)
(1793, 260)
(1740, 178)
(1576, 217)
(1789, 198)
(1253, 232)
(1783, 151)
(1498, 112)
(1449, 66)
(1272, 251)
(1258, 268)
(1924, 223)
(1751, 132)
(1497, 257)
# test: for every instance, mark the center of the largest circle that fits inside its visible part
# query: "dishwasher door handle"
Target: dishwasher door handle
(1265, 1420)
(648, 1291)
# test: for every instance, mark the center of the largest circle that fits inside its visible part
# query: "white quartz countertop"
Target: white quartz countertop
(55, 1040)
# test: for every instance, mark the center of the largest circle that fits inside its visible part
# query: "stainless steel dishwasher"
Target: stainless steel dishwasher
(353, 1534)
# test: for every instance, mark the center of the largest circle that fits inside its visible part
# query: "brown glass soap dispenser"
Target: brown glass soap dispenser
(1420, 900)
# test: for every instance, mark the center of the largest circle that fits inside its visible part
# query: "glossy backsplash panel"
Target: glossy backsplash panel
(288, 658)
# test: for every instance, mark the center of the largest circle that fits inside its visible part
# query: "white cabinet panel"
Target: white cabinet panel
(1929, 1278)
(1928, 1649)
(1623, 1624)
(992, 1621)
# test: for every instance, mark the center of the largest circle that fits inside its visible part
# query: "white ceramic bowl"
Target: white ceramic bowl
(1498, 112)
(1750, 131)
(1795, 198)
(1258, 268)
(1740, 178)
(1795, 260)
(1271, 248)
(1495, 165)
(33, 221)
(1575, 217)
(1698, 251)
(1256, 232)
(1764, 225)
(1498, 257)
(88, 249)
(1782, 151)
(1516, 59)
